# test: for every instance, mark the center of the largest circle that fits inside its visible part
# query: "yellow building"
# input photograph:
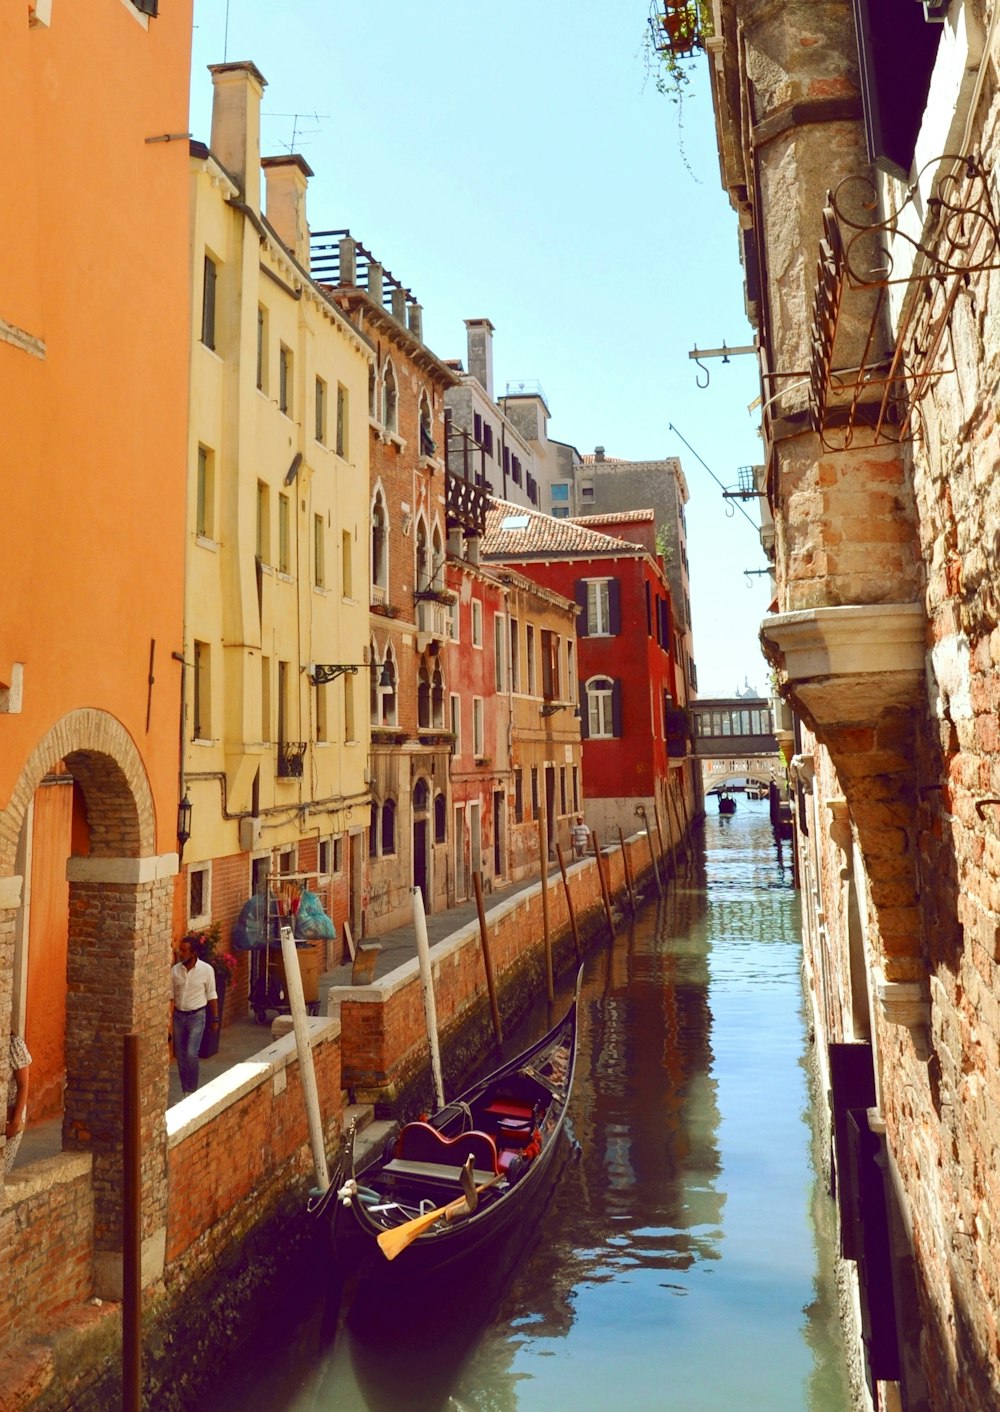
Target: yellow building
(276, 736)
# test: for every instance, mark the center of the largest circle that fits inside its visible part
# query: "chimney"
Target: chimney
(417, 322)
(598, 453)
(479, 345)
(287, 179)
(348, 261)
(236, 124)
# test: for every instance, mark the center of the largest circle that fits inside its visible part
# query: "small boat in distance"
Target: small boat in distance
(727, 804)
(446, 1189)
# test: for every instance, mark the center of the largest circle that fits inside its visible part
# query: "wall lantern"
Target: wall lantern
(183, 822)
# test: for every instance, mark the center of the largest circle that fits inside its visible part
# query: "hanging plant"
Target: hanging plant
(675, 36)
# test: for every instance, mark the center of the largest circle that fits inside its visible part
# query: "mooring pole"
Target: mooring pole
(605, 890)
(543, 849)
(427, 980)
(569, 903)
(303, 1046)
(659, 832)
(491, 985)
(640, 809)
(628, 873)
(132, 1233)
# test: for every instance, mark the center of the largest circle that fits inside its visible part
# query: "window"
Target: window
(562, 789)
(388, 827)
(390, 399)
(265, 699)
(516, 470)
(208, 303)
(534, 791)
(284, 535)
(261, 348)
(421, 795)
(570, 668)
(427, 444)
(587, 490)
(478, 741)
(529, 652)
(148, 7)
(372, 392)
(373, 832)
(440, 819)
(205, 507)
(319, 552)
(560, 492)
(282, 702)
(576, 789)
(455, 618)
(285, 379)
(321, 410)
(387, 691)
(324, 857)
(349, 731)
(455, 702)
(488, 439)
(600, 600)
(437, 698)
(346, 575)
(263, 523)
(199, 902)
(380, 546)
(437, 559)
(519, 796)
(603, 717)
(322, 728)
(477, 428)
(341, 421)
(423, 562)
(499, 655)
(202, 704)
(423, 696)
(550, 665)
(477, 623)
(515, 657)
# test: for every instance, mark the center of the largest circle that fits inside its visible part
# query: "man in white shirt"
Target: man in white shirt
(581, 836)
(194, 1003)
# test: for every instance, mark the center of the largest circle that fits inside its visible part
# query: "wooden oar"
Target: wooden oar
(393, 1242)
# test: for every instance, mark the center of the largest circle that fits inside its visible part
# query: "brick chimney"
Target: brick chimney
(287, 178)
(236, 124)
(479, 346)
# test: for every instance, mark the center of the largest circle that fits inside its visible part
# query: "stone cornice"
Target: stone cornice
(849, 663)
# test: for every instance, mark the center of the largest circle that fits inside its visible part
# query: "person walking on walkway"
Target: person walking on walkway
(194, 1004)
(581, 836)
(17, 1100)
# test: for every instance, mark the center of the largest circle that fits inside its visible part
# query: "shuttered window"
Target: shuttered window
(600, 600)
(897, 48)
(148, 7)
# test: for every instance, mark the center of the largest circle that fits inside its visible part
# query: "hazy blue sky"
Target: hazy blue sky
(515, 162)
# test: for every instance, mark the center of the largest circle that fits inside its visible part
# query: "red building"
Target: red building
(635, 746)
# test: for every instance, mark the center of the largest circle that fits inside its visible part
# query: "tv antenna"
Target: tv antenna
(297, 131)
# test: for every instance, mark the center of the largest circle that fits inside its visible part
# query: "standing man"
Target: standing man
(581, 836)
(194, 1002)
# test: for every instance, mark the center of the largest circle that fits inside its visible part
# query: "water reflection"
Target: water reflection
(675, 1264)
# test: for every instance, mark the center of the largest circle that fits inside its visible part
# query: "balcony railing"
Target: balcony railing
(291, 759)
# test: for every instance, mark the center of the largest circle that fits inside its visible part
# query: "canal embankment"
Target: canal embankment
(236, 1164)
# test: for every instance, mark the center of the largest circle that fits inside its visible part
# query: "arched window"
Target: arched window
(424, 696)
(374, 677)
(603, 707)
(389, 827)
(373, 832)
(390, 399)
(372, 391)
(387, 689)
(421, 795)
(423, 557)
(427, 446)
(440, 818)
(437, 559)
(380, 542)
(437, 698)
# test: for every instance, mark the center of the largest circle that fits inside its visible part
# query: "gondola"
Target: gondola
(446, 1190)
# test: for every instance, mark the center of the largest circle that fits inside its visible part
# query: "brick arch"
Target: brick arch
(117, 965)
(102, 756)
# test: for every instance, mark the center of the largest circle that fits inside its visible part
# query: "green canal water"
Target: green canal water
(683, 1262)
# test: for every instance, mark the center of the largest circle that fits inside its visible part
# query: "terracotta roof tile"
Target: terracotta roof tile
(512, 532)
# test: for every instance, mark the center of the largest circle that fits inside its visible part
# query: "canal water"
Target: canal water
(684, 1258)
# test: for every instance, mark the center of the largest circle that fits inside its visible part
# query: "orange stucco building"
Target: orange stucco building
(94, 348)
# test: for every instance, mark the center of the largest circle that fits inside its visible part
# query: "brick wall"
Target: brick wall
(45, 1278)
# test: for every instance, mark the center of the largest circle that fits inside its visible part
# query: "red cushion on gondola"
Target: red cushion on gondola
(511, 1108)
(419, 1142)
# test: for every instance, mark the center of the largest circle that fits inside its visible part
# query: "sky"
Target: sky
(517, 163)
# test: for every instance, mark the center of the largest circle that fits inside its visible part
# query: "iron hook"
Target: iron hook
(697, 379)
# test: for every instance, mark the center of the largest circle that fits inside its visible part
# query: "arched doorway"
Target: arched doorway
(115, 979)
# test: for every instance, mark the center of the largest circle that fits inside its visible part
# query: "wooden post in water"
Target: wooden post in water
(605, 891)
(303, 1048)
(569, 903)
(491, 985)
(427, 982)
(628, 875)
(132, 1232)
(682, 835)
(543, 846)
(640, 809)
(659, 831)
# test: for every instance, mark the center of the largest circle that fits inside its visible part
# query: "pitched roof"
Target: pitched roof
(643, 517)
(512, 532)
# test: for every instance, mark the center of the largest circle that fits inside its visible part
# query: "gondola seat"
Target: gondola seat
(419, 1142)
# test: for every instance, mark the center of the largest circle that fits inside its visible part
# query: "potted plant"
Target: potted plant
(224, 964)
